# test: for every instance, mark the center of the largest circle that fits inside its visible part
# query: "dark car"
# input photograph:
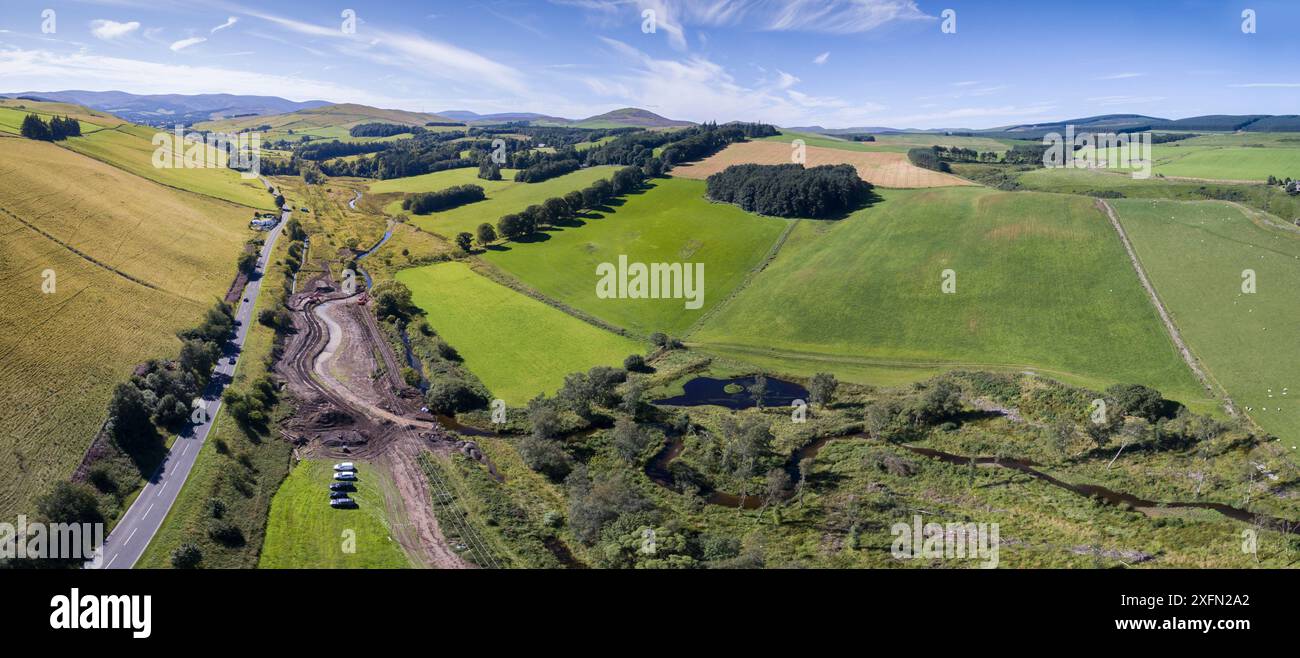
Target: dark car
(341, 486)
(335, 495)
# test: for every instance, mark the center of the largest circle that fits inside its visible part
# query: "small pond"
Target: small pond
(733, 393)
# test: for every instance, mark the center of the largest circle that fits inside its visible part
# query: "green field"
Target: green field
(669, 223)
(61, 353)
(899, 143)
(11, 120)
(1195, 253)
(304, 532)
(130, 148)
(1269, 198)
(503, 197)
(1042, 283)
(1223, 156)
(517, 346)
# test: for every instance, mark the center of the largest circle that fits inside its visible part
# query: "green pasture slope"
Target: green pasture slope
(1195, 254)
(1229, 156)
(516, 345)
(671, 222)
(304, 532)
(899, 143)
(1103, 182)
(129, 147)
(1043, 283)
(503, 197)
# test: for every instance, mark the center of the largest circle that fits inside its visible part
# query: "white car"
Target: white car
(345, 475)
(344, 466)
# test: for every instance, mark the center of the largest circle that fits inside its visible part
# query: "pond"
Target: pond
(734, 393)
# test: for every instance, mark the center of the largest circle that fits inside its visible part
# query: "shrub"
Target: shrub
(186, 556)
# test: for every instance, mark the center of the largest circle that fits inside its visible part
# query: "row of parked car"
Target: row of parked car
(345, 477)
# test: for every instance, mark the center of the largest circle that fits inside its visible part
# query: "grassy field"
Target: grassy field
(1096, 182)
(128, 147)
(1195, 253)
(326, 122)
(668, 223)
(1042, 283)
(61, 353)
(892, 143)
(517, 346)
(503, 197)
(304, 532)
(1228, 156)
(12, 112)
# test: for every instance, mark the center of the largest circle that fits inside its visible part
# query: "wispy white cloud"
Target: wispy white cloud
(178, 46)
(821, 59)
(699, 89)
(1119, 76)
(417, 54)
(229, 22)
(35, 68)
(109, 30)
(1263, 85)
(673, 17)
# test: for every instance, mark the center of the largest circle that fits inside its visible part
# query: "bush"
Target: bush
(225, 533)
(450, 395)
(544, 456)
(634, 363)
(186, 556)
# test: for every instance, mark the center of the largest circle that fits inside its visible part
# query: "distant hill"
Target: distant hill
(1101, 123)
(325, 122)
(172, 108)
(502, 117)
(630, 117)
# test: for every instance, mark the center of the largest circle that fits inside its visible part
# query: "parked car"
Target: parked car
(343, 502)
(336, 495)
(345, 466)
(341, 486)
(346, 475)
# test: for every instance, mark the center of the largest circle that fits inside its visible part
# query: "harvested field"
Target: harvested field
(883, 169)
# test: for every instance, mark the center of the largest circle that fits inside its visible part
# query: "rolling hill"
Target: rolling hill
(172, 108)
(325, 122)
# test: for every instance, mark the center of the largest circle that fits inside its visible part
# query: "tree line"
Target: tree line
(54, 130)
(428, 202)
(791, 190)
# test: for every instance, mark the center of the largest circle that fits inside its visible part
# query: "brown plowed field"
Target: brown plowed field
(878, 168)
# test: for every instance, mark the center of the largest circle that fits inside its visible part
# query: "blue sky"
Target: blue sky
(834, 63)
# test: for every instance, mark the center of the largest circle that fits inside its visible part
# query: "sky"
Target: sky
(833, 63)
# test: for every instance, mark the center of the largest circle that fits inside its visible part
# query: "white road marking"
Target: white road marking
(128, 538)
(161, 489)
(110, 562)
(146, 512)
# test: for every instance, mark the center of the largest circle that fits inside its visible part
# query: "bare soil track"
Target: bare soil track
(344, 412)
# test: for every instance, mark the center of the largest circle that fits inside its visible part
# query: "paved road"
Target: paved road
(132, 535)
